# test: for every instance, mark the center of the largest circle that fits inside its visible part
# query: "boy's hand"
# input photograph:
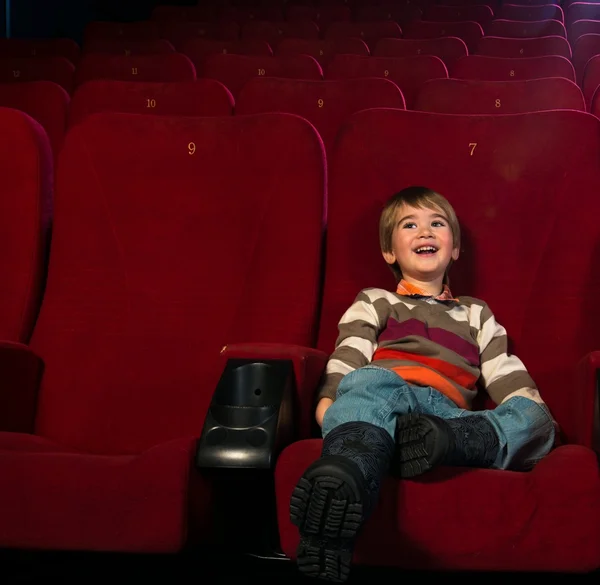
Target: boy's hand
(322, 406)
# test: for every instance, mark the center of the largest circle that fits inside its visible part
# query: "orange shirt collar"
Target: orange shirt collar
(409, 290)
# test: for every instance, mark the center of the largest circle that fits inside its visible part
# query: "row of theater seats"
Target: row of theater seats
(180, 244)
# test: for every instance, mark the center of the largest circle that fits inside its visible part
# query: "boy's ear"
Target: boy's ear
(389, 257)
(455, 254)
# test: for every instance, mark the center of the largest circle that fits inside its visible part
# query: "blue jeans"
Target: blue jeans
(378, 396)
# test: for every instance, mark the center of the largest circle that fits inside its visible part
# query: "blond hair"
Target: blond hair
(418, 197)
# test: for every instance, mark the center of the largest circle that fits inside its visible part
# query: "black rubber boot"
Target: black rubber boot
(425, 441)
(335, 496)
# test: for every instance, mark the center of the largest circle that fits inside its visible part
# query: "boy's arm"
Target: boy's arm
(503, 375)
(355, 345)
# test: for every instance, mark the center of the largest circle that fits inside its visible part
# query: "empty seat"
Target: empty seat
(586, 47)
(448, 49)
(582, 11)
(234, 71)
(500, 69)
(595, 103)
(502, 174)
(469, 32)
(119, 47)
(56, 69)
(179, 33)
(517, 48)
(479, 13)
(199, 49)
(25, 216)
(151, 208)
(326, 104)
(493, 4)
(408, 73)
(370, 32)
(164, 68)
(322, 16)
(323, 51)
(591, 80)
(46, 102)
(274, 32)
(400, 13)
(127, 31)
(202, 97)
(530, 13)
(582, 27)
(526, 29)
(467, 96)
(66, 48)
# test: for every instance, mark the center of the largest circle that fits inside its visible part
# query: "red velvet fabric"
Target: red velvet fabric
(480, 14)
(591, 80)
(584, 49)
(323, 51)
(408, 73)
(199, 49)
(370, 32)
(448, 49)
(469, 32)
(66, 48)
(19, 69)
(326, 104)
(163, 68)
(468, 96)
(45, 101)
(526, 29)
(203, 97)
(503, 175)
(128, 31)
(25, 210)
(501, 69)
(323, 16)
(582, 11)
(125, 47)
(179, 32)
(580, 28)
(274, 32)
(472, 519)
(233, 71)
(400, 13)
(518, 48)
(171, 239)
(531, 13)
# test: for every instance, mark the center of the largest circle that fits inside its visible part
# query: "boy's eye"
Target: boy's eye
(409, 224)
(438, 223)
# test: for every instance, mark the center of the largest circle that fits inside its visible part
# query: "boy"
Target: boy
(401, 383)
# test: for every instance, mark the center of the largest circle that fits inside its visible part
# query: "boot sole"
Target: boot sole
(327, 506)
(421, 445)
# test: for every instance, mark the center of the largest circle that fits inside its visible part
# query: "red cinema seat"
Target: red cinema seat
(401, 13)
(586, 47)
(322, 15)
(233, 71)
(66, 48)
(326, 104)
(467, 96)
(514, 29)
(502, 174)
(203, 97)
(448, 49)
(530, 13)
(149, 209)
(25, 217)
(199, 49)
(274, 32)
(179, 33)
(158, 68)
(56, 69)
(582, 27)
(46, 102)
(408, 73)
(323, 51)
(145, 30)
(500, 69)
(479, 13)
(469, 32)
(369, 32)
(127, 48)
(518, 48)
(591, 79)
(582, 11)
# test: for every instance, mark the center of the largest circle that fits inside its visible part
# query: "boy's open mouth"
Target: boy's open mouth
(426, 250)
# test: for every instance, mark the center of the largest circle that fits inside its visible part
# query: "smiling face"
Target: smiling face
(422, 244)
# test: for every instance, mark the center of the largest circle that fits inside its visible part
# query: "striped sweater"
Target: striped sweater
(452, 345)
